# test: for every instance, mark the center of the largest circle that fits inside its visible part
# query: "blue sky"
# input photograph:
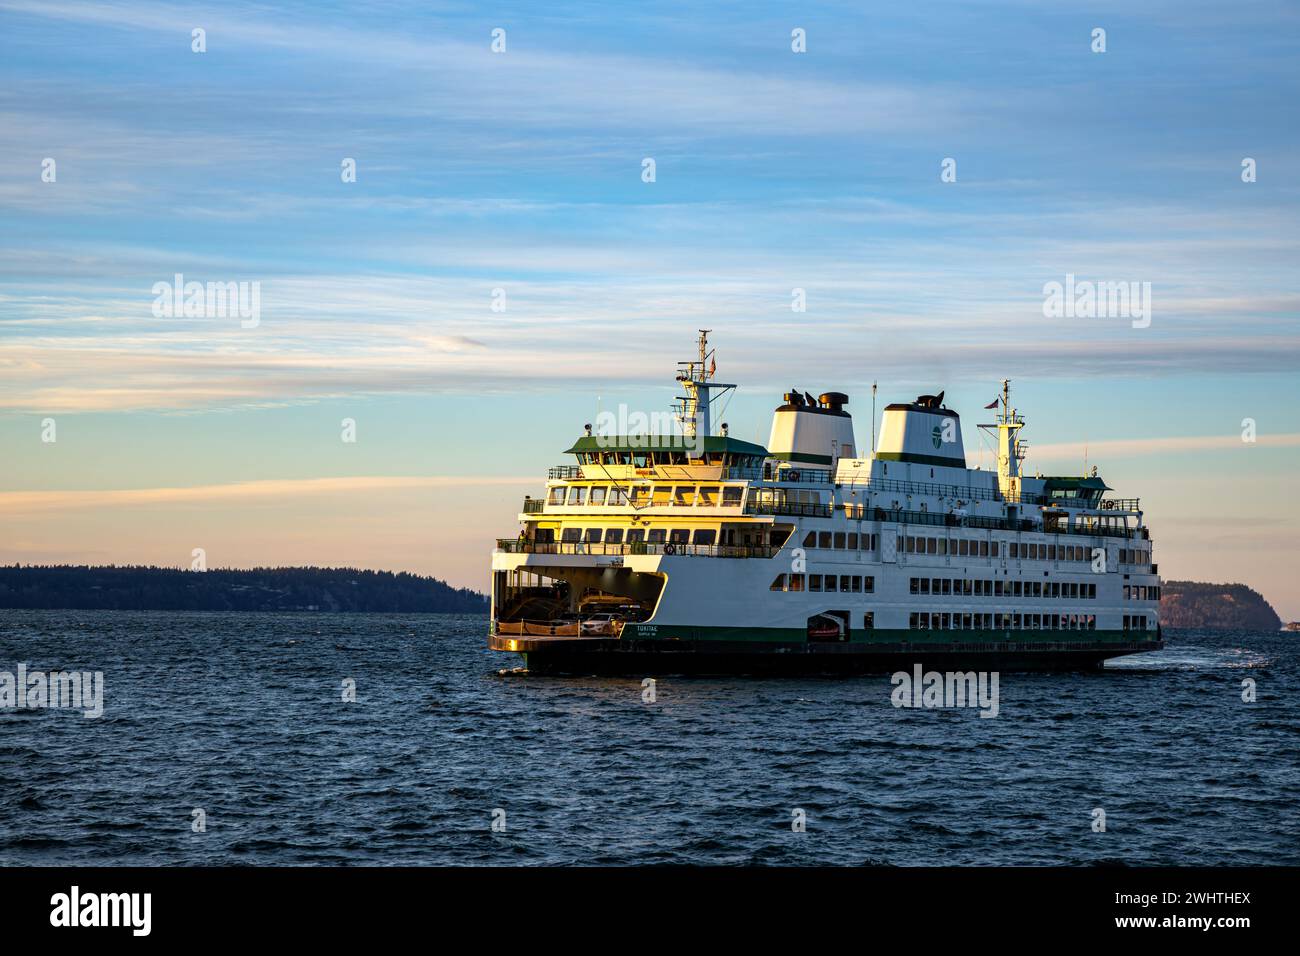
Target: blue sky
(522, 171)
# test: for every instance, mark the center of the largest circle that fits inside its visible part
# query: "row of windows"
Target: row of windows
(1135, 622)
(660, 495)
(1134, 556)
(841, 540)
(1003, 621)
(847, 583)
(1034, 551)
(909, 544)
(634, 535)
(644, 458)
(1021, 550)
(981, 588)
(1141, 592)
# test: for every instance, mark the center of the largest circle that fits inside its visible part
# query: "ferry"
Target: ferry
(693, 552)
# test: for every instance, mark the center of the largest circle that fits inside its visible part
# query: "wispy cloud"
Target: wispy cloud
(1129, 447)
(16, 503)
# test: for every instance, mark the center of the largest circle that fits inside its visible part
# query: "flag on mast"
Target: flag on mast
(992, 404)
(713, 366)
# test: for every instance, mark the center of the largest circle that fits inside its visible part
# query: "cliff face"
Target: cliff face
(1235, 606)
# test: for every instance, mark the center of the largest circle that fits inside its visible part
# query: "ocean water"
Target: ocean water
(242, 716)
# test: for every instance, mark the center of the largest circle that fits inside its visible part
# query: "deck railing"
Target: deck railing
(794, 508)
(1121, 504)
(937, 519)
(517, 546)
(876, 486)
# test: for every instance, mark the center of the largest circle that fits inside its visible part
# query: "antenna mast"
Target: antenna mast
(696, 377)
(1011, 451)
(873, 419)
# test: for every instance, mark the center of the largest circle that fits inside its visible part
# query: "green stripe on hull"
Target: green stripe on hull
(790, 635)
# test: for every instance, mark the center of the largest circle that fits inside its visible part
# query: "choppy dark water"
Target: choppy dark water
(241, 715)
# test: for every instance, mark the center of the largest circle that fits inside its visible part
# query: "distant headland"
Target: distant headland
(1228, 606)
(136, 588)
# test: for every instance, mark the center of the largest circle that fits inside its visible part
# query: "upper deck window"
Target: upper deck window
(617, 496)
(684, 495)
(597, 494)
(556, 495)
(731, 495)
(708, 496)
(578, 495)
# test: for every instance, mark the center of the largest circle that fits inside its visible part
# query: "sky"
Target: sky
(500, 269)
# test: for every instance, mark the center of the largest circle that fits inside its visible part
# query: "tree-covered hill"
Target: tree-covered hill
(258, 589)
(1194, 604)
